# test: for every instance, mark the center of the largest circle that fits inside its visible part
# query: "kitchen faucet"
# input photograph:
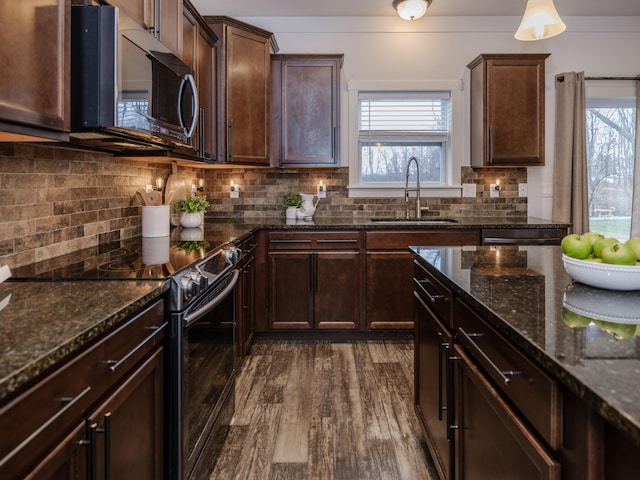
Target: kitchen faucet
(418, 208)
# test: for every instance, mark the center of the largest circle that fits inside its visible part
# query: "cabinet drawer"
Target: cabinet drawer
(39, 417)
(530, 389)
(401, 239)
(434, 294)
(347, 240)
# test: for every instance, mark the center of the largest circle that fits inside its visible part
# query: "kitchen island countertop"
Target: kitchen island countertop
(525, 293)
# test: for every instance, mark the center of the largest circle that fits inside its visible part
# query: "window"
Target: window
(395, 126)
(610, 126)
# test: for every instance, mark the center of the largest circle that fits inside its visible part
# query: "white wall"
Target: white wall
(439, 48)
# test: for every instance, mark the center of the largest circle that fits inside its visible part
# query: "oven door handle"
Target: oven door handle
(196, 315)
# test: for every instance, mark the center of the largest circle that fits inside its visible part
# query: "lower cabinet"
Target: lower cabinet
(246, 317)
(313, 280)
(432, 385)
(100, 415)
(389, 268)
(493, 441)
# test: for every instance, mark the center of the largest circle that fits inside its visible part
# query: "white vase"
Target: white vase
(190, 220)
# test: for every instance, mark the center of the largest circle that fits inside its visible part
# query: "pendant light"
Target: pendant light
(411, 9)
(540, 21)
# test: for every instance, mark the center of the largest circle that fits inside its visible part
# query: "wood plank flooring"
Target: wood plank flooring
(322, 410)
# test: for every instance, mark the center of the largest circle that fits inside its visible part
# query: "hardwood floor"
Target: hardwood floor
(321, 410)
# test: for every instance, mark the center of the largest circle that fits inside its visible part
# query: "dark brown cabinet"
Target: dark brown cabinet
(199, 52)
(246, 297)
(243, 89)
(492, 441)
(389, 272)
(432, 386)
(161, 18)
(305, 110)
(100, 411)
(35, 59)
(313, 280)
(507, 110)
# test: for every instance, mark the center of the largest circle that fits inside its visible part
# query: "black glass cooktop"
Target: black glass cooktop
(137, 258)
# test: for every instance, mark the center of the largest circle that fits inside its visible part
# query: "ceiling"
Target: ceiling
(381, 8)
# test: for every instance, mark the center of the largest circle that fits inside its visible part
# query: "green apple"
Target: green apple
(576, 246)
(634, 243)
(618, 254)
(593, 236)
(593, 259)
(574, 320)
(600, 244)
(617, 330)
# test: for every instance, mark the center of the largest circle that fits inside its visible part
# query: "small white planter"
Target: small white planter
(290, 214)
(190, 220)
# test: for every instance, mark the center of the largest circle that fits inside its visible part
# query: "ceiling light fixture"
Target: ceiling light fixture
(411, 9)
(540, 21)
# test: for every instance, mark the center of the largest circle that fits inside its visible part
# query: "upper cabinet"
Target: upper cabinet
(507, 110)
(243, 89)
(162, 18)
(199, 52)
(35, 59)
(305, 110)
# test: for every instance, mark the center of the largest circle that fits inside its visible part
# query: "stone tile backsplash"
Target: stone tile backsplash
(58, 200)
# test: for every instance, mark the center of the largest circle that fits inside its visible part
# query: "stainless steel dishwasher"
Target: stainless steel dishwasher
(522, 236)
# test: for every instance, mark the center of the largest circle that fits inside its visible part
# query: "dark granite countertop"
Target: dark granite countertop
(330, 223)
(525, 293)
(42, 322)
(65, 315)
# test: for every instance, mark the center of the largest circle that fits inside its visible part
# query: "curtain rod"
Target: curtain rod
(612, 78)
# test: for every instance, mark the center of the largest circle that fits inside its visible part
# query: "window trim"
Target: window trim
(453, 154)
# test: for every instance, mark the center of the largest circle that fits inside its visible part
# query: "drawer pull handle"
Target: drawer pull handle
(432, 298)
(114, 364)
(70, 403)
(505, 375)
(289, 241)
(338, 241)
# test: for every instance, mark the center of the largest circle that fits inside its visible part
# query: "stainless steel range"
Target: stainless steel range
(200, 360)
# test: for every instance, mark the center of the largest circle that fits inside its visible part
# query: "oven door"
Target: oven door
(208, 369)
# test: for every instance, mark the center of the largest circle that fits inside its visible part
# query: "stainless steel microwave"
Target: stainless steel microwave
(128, 91)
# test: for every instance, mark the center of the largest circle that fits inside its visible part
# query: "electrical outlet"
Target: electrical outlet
(494, 190)
(522, 190)
(469, 190)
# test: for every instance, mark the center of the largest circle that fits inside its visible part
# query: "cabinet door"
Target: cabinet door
(247, 102)
(492, 441)
(35, 59)
(67, 461)
(128, 427)
(246, 298)
(291, 294)
(305, 103)
(433, 387)
(170, 33)
(337, 290)
(507, 110)
(389, 283)
(206, 74)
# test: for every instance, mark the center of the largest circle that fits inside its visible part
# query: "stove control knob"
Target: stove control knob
(186, 285)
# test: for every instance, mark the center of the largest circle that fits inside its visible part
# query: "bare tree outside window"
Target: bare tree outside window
(610, 157)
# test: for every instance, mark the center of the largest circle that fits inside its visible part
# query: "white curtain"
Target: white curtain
(635, 207)
(570, 187)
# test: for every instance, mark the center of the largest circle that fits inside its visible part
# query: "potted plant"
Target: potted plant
(192, 209)
(292, 201)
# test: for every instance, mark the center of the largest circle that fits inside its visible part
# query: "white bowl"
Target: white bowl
(603, 275)
(618, 307)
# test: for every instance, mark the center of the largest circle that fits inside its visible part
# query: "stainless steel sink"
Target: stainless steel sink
(413, 221)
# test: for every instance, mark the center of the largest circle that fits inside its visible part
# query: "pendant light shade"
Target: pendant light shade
(411, 9)
(540, 21)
